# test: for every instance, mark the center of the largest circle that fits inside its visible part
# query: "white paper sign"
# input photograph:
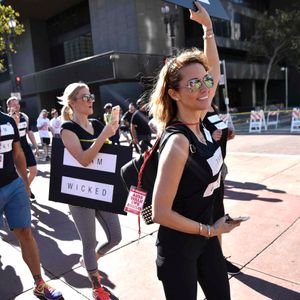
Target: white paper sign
(6, 146)
(212, 186)
(221, 125)
(102, 162)
(216, 161)
(87, 189)
(1, 161)
(214, 119)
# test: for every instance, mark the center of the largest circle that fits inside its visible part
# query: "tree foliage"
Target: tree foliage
(8, 34)
(277, 39)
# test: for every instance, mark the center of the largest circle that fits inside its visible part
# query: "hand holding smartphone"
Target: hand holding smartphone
(115, 114)
(237, 219)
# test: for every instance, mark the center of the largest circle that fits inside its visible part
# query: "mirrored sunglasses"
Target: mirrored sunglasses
(88, 98)
(194, 85)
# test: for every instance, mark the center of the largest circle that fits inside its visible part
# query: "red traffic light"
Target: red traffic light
(18, 78)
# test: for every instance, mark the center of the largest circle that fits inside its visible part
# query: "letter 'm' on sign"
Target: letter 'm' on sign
(102, 162)
(87, 189)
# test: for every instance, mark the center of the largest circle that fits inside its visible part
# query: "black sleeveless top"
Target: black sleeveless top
(85, 137)
(196, 193)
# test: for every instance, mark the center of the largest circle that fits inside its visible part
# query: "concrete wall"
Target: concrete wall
(113, 24)
(23, 60)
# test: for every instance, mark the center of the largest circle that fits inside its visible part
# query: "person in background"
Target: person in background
(221, 133)
(140, 130)
(43, 126)
(115, 139)
(55, 123)
(15, 204)
(22, 121)
(124, 129)
(188, 175)
(83, 138)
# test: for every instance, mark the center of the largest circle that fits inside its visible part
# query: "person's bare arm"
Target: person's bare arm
(20, 163)
(33, 142)
(170, 169)
(85, 157)
(210, 48)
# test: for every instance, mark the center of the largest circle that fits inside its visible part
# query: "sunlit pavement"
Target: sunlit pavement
(263, 183)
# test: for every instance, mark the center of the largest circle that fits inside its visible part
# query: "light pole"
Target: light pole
(12, 25)
(286, 71)
(226, 98)
(170, 19)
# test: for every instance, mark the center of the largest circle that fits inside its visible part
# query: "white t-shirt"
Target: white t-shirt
(44, 123)
(55, 124)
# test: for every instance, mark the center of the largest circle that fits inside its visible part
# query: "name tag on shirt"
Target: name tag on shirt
(6, 129)
(6, 146)
(221, 125)
(208, 135)
(214, 119)
(216, 161)
(212, 186)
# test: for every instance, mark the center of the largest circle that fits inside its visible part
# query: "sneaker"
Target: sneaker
(44, 291)
(231, 268)
(100, 294)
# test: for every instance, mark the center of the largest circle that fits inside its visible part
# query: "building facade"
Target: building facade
(116, 46)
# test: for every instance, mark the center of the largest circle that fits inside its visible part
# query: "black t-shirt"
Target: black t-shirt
(140, 119)
(8, 135)
(23, 127)
(85, 137)
(127, 117)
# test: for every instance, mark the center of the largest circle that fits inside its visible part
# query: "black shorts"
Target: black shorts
(45, 141)
(30, 159)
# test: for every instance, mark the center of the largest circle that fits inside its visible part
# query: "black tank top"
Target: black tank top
(196, 192)
(85, 137)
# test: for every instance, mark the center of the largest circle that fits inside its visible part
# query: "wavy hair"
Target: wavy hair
(162, 106)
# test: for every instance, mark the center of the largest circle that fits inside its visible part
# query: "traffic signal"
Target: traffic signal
(18, 80)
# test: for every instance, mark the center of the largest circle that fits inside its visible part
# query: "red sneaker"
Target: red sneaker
(100, 294)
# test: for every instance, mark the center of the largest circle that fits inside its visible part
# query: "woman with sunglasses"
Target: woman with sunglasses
(84, 137)
(188, 175)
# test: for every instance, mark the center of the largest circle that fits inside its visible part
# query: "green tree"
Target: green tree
(277, 39)
(8, 34)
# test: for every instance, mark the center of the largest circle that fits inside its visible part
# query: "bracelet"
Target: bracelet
(208, 36)
(200, 228)
(208, 230)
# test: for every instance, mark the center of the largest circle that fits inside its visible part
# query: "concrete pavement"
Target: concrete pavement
(263, 182)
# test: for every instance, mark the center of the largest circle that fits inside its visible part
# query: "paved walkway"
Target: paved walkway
(263, 182)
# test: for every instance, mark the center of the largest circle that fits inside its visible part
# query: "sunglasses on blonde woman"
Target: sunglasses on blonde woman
(88, 98)
(195, 84)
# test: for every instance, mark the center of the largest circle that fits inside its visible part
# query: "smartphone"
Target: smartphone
(237, 219)
(115, 113)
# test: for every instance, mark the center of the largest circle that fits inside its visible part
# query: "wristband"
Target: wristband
(208, 36)
(208, 230)
(200, 228)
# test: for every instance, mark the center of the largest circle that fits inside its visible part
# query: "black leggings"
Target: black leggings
(180, 274)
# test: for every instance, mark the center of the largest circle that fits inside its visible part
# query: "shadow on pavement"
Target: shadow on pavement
(268, 289)
(230, 193)
(10, 275)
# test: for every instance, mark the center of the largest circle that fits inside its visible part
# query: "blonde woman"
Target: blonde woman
(79, 101)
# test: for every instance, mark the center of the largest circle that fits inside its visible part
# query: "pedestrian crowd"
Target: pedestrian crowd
(188, 192)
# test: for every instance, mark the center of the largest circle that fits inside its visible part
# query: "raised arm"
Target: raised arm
(210, 48)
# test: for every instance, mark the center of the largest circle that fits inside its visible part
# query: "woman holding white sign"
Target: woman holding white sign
(83, 138)
(188, 175)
